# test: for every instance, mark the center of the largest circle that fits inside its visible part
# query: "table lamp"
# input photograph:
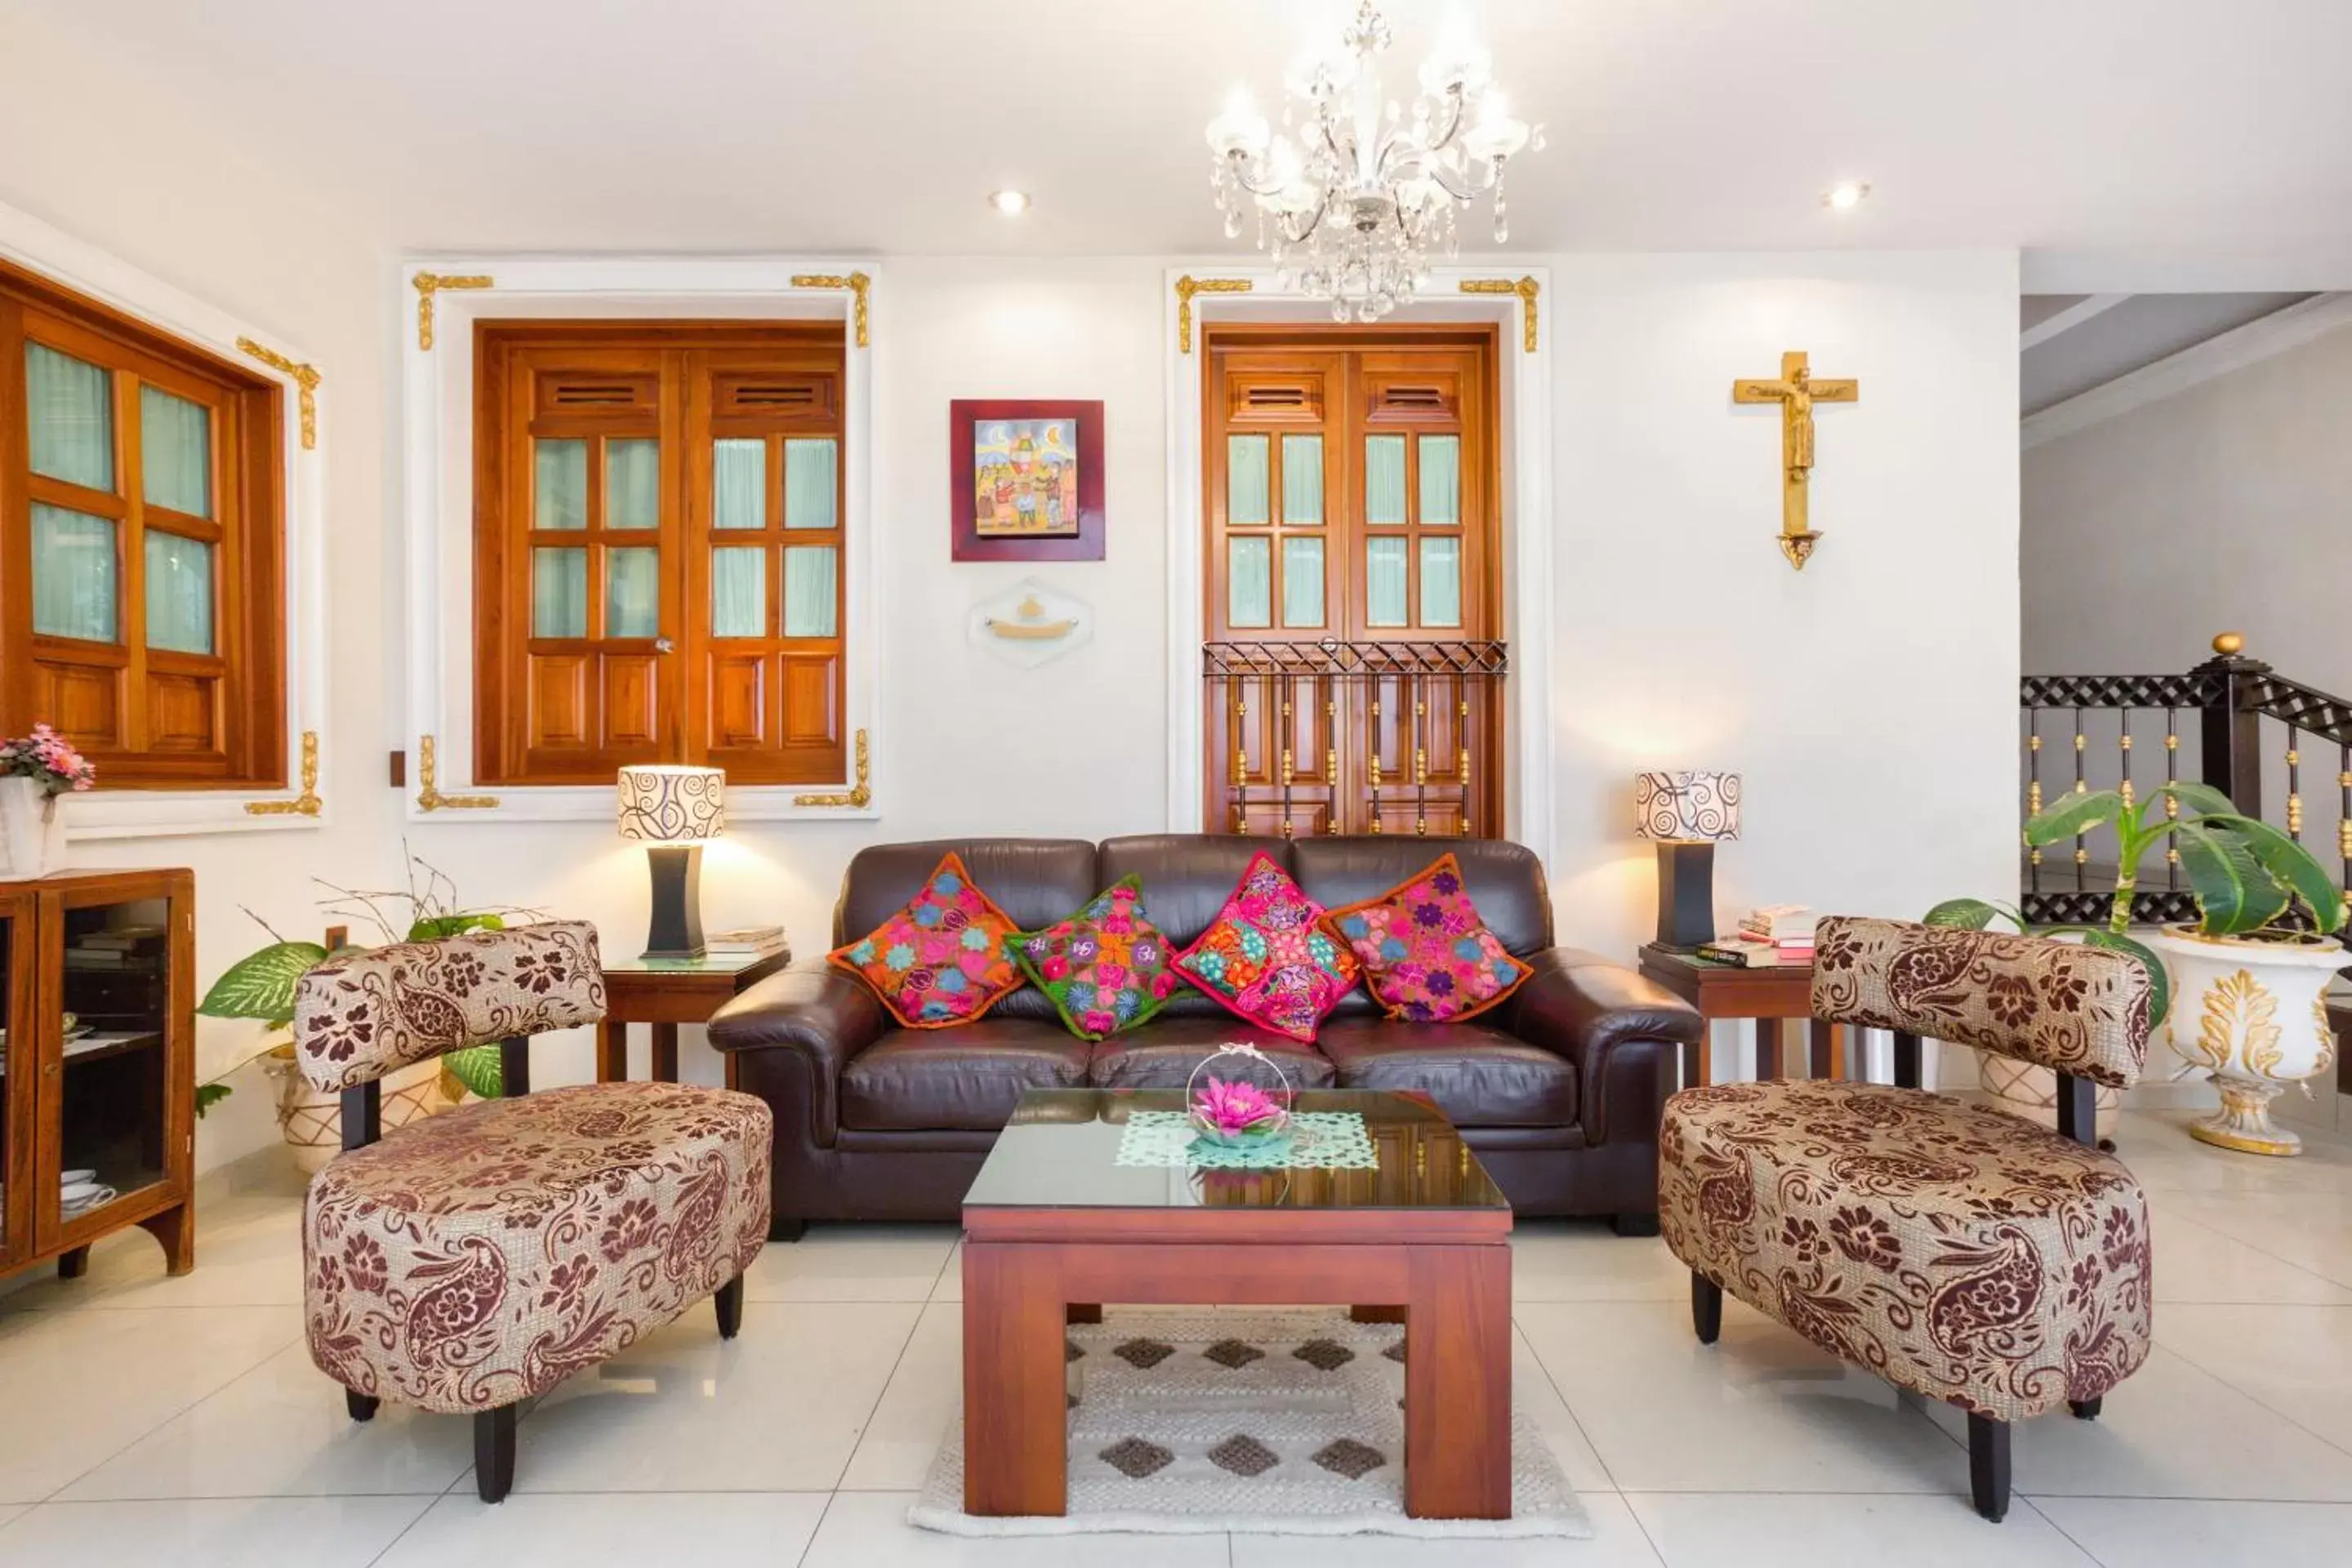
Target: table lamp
(673, 810)
(1687, 814)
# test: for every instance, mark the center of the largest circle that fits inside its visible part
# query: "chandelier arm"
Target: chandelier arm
(1476, 187)
(1458, 107)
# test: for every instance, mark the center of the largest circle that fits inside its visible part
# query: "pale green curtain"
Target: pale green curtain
(1441, 581)
(179, 593)
(633, 484)
(632, 593)
(1247, 469)
(1441, 480)
(1302, 478)
(1302, 582)
(559, 593)
(560, 484)
(176, 453)
(70, 416)
(809, 592)
(812, 486)
(738, 591)
(74, 574)
(1384, 479)
(739, 483)
(1249, 588)
(1384, 583)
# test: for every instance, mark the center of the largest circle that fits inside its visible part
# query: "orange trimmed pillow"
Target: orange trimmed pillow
(1427, 956)
(942, 960)
(1264, 959)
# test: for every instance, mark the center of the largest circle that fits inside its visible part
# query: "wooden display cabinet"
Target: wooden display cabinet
(97, 1071)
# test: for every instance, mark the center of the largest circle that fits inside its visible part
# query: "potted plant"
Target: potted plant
(35, 770)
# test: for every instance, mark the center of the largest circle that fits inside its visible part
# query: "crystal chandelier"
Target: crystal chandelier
(1353, 207)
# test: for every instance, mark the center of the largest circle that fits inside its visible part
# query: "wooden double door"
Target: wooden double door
(1354, 664)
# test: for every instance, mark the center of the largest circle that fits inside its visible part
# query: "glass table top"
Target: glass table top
(1061, 1151)
(709, 964)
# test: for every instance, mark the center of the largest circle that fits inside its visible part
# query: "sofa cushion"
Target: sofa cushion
(1164, 1054)
(1107, 967)
(1505, 879)
(1479, 1077)
(942, 959)
(1035, 881)
(1265, 957)
(1427, 956)
(966, 1078)
(1187, 877)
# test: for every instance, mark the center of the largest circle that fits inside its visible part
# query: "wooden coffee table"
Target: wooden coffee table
(1054, 1226)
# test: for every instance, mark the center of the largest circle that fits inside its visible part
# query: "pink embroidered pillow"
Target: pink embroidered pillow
(943, 960)
(1427, 957)
(1264, 959)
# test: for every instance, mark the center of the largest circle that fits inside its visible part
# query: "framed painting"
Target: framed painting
(1025, 480)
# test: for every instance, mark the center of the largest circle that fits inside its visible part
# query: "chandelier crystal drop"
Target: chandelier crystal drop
(1353, 207)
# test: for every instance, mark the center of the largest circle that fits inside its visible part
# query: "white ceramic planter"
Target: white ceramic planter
(32, 831)
(2254, 1016)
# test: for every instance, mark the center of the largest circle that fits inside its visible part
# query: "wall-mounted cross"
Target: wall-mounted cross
(1796, 392)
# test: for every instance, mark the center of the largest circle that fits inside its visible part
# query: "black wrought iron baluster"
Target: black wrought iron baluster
(2344, 822)
(2032, 794)
(1373, 751)
(2123, 786)
(2294, 783)
(1420, 755)
(1289, 740)
(2171, 805)
(1331, 751)
(1462, 760)
(2081, 854)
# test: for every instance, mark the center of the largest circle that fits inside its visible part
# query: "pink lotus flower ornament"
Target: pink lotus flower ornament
(1231, 1111)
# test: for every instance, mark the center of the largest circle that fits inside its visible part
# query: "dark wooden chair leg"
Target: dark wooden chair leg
(360, 1406)
(73, 1262)
(1707, 1308)
(781, 1229)
(494, 1452)
(2084, 1409)
(729, 1302)
(1634, 1224)
(1988, 1466)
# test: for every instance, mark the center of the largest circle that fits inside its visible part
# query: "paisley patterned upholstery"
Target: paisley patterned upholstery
(1960, 1252)
(2074, 1009)
(374, 1011)
(482, 1255)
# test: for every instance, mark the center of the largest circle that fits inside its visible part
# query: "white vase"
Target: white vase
(32, 831)
(2254, 1015)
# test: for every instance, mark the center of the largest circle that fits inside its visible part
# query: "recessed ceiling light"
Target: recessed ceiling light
(1012, 203)
(1844, 198)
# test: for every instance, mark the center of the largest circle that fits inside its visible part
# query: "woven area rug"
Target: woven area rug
(1283, 1423)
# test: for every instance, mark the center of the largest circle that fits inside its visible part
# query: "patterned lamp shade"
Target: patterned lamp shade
(671, 805)
(1686, 807)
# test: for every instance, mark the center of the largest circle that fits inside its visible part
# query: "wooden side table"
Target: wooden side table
(665, 992)
(1768, 996)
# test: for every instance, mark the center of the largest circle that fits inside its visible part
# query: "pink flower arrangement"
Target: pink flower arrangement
(1236, 1110)
(48, 759)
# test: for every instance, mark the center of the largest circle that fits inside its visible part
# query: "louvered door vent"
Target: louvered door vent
(1413, 399)
(1274, 397)
(593, 394)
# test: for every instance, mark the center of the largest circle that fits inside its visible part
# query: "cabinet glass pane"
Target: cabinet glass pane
(1302, 582)
(9, 937)
(116, 983)
(1249, 587)
(1441, 480)
(176, 452)
(1384, 583)
(632, 593)
(738, 592)
(559, 593)
(1302, 478)
(70, 416)
(739, 483)
(1245, 480)
(812, 483)
(1441, 581)
(1384, 479)
(179, 593)
(808, 592)
(74, 574)
(631, 484)
(559, 493)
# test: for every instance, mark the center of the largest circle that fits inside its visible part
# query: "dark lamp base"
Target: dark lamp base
(1685, 895)
(675, 931)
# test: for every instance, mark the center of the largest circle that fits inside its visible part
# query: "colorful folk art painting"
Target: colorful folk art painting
(1264, 959)
(1105, 968)
(1427, 956)
(1025, 479)
(942, 960)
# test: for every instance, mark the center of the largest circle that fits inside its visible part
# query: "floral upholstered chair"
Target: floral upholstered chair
(1955, 1251)
(476, 1259)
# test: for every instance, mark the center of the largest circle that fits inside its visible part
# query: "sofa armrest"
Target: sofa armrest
(819, 1017)
(1625, 1033)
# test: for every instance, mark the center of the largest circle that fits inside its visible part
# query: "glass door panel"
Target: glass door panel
(114, 1095)
(16, 1059)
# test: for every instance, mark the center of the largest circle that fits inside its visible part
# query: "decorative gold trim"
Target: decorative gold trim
(430, 798)
(1187, 286)
(1527, 288)
(861, 792)
(855, 282)
(306, 385)
(428, 285)
(307, 802)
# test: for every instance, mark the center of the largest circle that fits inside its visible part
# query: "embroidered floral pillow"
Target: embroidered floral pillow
(1106, 967)
(1263, 958)
(943, 960)
(1427, 957)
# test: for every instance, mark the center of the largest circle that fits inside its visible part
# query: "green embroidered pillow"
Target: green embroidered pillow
(1106, 967)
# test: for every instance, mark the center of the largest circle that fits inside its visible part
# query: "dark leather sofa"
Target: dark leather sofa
(1560, 1089)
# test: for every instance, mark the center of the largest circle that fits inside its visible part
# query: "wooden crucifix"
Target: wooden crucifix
(1796, 392)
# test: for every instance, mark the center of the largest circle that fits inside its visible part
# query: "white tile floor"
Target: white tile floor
(157, 1421)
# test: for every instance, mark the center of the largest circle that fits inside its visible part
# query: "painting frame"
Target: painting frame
(969, 534)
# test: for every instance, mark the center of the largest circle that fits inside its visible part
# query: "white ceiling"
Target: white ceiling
(2128, 335)
(2103, 136)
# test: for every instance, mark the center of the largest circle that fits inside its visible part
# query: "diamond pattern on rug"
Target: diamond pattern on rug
(1395, 1352)
(1070, 1351)
(1323, 1355)
(1243, 1456)
(1143, 1355)
(1232, 1353)
(1135, 1458)
(1349, 1458)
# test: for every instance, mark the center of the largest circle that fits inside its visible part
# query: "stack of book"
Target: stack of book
(1775, 935)
(752, 942)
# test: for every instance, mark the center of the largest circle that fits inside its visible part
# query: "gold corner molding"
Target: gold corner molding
(431, 283)
(430, 798)
(860, 794)
(306, 385)
(1527, 288)
(1187, 286)
(857, 283)
(307, 802)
